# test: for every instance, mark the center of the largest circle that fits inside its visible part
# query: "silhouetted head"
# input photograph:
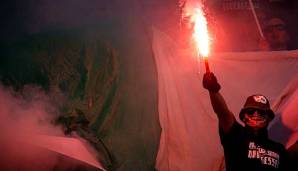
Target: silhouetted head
(275, 31)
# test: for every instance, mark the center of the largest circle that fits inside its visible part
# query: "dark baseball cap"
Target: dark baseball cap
(258, 102)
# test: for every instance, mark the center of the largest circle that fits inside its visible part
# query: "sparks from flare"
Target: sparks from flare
(200, 34)
(193, 9)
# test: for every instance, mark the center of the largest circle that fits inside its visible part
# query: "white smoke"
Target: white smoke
(23, 118)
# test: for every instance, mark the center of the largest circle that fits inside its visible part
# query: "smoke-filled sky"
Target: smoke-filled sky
(30, 16)
(36, 15)
(20, 18)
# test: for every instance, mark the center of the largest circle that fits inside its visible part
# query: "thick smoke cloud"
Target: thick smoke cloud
(23, 118)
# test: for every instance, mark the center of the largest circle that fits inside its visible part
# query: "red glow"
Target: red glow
(201, 35)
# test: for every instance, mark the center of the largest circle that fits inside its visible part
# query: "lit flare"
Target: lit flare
(200, 34)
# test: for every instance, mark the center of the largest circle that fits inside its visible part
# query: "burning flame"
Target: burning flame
(192, 9)
(200, 34)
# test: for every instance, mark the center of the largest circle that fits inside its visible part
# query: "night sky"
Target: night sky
(24, 17)
(20, 18)
(29, 16)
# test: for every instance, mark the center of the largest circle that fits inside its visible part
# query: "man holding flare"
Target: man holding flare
(246, 148)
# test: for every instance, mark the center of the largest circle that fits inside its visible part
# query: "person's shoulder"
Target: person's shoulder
(237, 125)
(236, 130)
(277, 145)
(235, 133)
(293, 152)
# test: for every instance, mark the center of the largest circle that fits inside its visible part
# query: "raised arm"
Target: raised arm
(225, 116)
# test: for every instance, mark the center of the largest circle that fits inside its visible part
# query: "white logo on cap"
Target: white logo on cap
(260, 99)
